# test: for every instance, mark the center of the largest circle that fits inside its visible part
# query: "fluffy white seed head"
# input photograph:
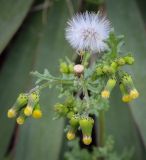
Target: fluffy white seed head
(88, 31)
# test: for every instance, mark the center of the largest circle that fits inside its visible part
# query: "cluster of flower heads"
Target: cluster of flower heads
(25, 106)
(113, 70)
(85, 123)
(76, 121)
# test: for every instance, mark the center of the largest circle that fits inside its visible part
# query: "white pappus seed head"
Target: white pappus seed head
(88, 31)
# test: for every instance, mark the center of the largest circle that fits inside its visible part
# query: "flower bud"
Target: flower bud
(37, 113)
(105, 68)
(28, 111)
(22, 99)
(111, 84)
(78, 69)
(64, 68)
(87, 140)
(134, 94)
(120, 61)
(20, 102)
(99, 71)
(128, 82)
(105, 94)
(108, 88)
(70, 135)
(111, 70)
(71, 68)
(114, 65)
(125, 96)
(11, 113)
(61, 109)
(70, 114)
(33, 99)
(129, 60)
(86, 124)
(20, 120)
(74, 124)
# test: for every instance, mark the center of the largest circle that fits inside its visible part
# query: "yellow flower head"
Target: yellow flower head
(11, 113)
(134, 94)
(20, 120)
(105, 94)
(87, 140)
(126, 98)
(70, 135)
(37, 113)
(28, 111)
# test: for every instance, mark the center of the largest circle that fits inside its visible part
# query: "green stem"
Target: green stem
(101, 129)
(85, 92)
(46, 84)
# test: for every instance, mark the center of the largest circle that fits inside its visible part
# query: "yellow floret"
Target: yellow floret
(11, 113)
(126, 98)
(28, 111)
(37, 113)
(105, 94)
(134, 94)
(87, 140)
(20, 120)
(70, 135)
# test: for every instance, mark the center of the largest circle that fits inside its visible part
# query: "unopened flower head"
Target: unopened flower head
(88, 31)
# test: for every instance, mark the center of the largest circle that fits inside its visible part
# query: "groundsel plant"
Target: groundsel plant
(85, 87)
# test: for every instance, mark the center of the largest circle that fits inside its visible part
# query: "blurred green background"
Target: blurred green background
(32, 38)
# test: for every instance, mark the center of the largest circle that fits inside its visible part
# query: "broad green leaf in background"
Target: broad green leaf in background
(142, 5)
(12, 14)
(14, 78)
(42, 139)
(126, 19)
